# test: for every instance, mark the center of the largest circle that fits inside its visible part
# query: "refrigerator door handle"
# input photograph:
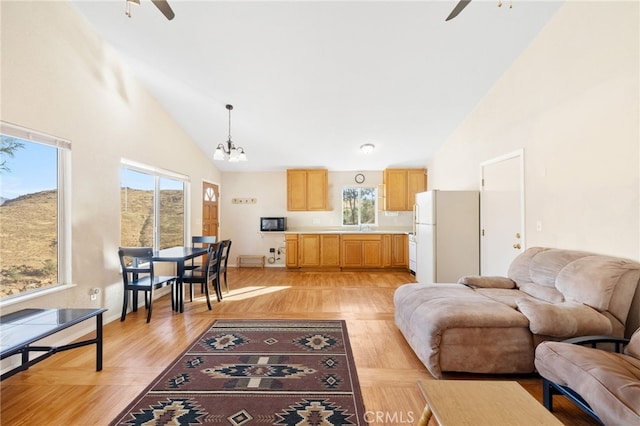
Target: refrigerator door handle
(415, 219)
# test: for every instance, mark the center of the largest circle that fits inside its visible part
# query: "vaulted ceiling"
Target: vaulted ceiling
(311, 81)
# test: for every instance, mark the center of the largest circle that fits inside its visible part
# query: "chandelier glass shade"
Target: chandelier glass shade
(228, 151)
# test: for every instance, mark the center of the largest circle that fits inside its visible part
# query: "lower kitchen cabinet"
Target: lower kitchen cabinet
(356, 251)
(400, 251)
(315, 251)
(291, 250)
(362, 251)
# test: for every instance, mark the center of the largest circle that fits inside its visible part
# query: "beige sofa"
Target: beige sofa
(493, 324)
(605, 384)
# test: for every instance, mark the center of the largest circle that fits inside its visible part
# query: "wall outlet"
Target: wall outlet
(93, 293)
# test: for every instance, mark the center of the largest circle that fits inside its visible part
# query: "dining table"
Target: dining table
(179, 255)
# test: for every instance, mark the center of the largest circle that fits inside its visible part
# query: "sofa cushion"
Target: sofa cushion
(503, 295)
(548, 294)
(609, 382)
(566, 319)
(519, 270)
(425, 314)
(545, 266)
(592, 279)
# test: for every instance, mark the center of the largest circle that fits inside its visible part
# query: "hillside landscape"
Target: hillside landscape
(28, 237)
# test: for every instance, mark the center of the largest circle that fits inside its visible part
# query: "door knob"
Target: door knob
(517, 246)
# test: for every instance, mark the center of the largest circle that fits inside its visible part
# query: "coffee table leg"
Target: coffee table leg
(99, 342)
(426, 415)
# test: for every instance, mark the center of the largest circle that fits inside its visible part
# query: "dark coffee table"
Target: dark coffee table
(21, 329)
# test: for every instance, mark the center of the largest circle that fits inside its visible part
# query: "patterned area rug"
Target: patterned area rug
(242, 372)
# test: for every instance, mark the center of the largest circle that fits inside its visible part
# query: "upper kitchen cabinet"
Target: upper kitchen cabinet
(400, 187)
(307, 189)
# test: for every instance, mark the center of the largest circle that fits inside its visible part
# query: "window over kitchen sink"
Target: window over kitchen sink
(359, 206)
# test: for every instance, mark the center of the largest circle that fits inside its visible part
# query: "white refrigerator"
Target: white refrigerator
(447, 233)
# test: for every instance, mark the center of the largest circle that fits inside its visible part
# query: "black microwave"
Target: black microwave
(273, 224)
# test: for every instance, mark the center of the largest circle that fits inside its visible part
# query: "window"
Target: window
(34, 229)
(359, 206)
(152, 210)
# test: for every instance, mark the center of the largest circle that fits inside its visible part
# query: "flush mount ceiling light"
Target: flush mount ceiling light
(367, 148)
(229, 152)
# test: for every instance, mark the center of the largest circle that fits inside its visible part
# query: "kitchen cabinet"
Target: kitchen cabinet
(400, 187)
(291, 250)
(400, 251)
(307, 189)
(346, 250)
(317, 251)
(330, 250)
(395, 251)
(362, 251)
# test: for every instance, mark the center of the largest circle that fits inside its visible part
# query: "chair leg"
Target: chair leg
(134, 301)
(226, 283)
(173, 296)
(149, 308)
(547, 394)
(206, 292)
(216, 286)
(125, 302)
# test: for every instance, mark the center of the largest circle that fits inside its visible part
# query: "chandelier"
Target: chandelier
(228, 151)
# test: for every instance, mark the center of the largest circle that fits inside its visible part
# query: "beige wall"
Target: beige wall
(571, 101)
(58, 77)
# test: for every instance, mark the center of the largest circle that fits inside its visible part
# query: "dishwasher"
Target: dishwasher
(412, 253)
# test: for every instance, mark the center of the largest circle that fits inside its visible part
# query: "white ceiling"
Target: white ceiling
(311, 81)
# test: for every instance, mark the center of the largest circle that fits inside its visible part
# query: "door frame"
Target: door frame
(519, 153)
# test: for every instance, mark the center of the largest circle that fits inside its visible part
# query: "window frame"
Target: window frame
(157, 173)
(375, 205)
(63, 189)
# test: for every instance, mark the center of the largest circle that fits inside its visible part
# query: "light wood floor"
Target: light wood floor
(66, 390)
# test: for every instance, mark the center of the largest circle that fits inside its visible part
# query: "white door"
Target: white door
(501, 212)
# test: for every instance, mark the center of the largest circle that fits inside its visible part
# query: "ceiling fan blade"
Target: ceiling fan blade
(164, 8)
(456, 10)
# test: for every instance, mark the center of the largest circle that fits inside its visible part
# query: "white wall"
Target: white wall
(572, 102)
(58, 77)
(241, 222)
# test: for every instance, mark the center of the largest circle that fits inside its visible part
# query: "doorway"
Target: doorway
(210, 197)
(501, 212)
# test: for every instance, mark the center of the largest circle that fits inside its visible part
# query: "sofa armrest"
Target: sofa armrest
(476, 281)
(619, 342)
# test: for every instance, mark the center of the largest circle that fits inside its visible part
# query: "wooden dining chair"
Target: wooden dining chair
(224, 260)
(200, 241)
(207, 274)
(138, 275)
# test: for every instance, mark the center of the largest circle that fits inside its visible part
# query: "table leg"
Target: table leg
(426, 415)
(99, 342)
(180, 286)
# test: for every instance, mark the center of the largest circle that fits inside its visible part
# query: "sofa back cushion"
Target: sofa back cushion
(592, 280)
(555, 275)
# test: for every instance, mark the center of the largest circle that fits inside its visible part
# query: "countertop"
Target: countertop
(372, 230)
